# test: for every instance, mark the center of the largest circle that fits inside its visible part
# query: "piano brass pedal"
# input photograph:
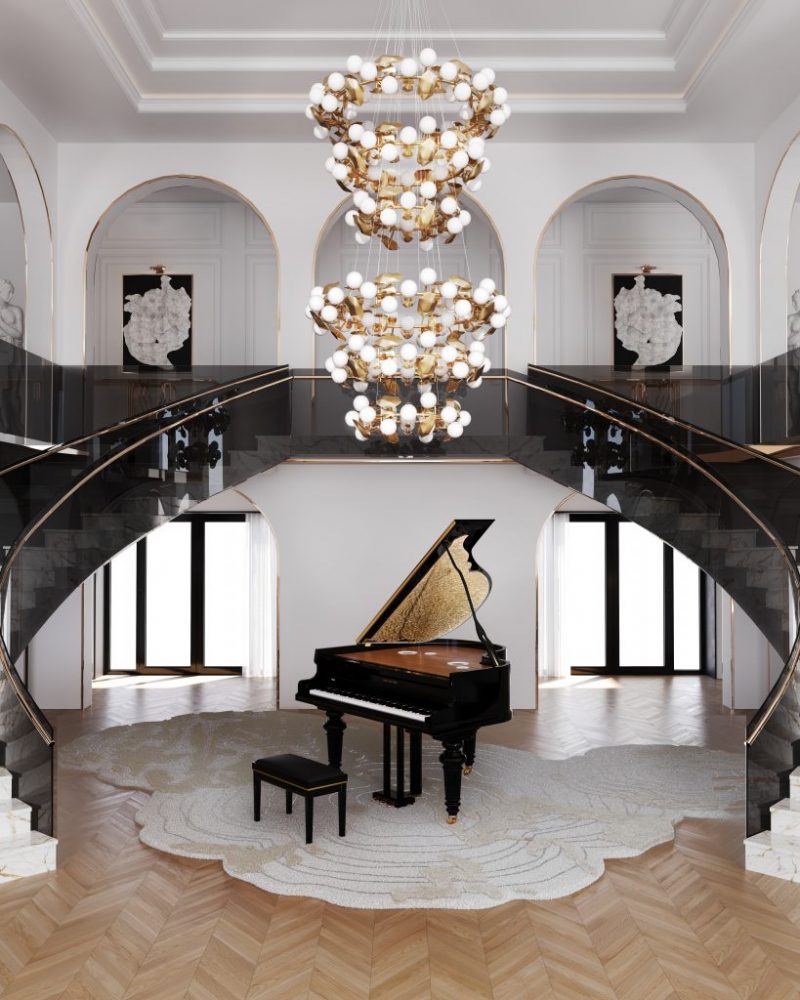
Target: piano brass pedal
(451, 820)
(467, 770)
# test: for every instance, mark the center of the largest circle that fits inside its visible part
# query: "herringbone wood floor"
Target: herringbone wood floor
(119, 920)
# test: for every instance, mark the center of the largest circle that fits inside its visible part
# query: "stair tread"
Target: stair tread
(31, 838)
(780, 842)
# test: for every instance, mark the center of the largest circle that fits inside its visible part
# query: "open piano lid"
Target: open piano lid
(431, 601)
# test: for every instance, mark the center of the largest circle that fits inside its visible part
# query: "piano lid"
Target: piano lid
(431, 600)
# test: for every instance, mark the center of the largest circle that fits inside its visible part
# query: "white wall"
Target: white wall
(341, 553)
(287, 183)
(12, 250)
(226, 248)
(592, 240)
(60, 664)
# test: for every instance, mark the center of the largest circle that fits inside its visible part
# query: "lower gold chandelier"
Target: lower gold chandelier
(414, 345)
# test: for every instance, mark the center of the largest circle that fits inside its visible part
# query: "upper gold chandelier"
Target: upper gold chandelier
(406, 177)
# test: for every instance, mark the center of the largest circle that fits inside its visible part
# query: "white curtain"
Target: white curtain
(263, 599)
(553, 661)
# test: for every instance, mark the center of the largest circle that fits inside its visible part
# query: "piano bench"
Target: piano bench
(300, 776)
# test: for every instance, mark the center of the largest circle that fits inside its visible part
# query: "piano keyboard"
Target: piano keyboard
(387, 708)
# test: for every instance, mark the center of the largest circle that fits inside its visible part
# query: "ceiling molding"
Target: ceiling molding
(744, 8)
(368, 35)
(109, 54)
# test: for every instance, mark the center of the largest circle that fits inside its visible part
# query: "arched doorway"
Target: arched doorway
(614, 228)
(205, 239)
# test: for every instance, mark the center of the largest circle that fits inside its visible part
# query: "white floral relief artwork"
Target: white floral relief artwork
(12, 319)
(158, 330)
(646, 320)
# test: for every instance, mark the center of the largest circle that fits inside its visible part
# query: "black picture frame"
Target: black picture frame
(180, 360)
(665, 284)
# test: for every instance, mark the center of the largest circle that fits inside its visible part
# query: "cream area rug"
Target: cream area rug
(529, 828)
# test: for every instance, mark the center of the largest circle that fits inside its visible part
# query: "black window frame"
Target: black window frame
(197, 575)
(706, 633)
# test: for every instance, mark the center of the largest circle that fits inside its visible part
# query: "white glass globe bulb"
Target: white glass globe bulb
(330, 102)
(310, 112)
(389, 85)
(359, 196)
(369, 140)
(388, 367)
(466, 217)
(361, 238)
(408, 413)
(449, 414)
(487, 364)
(354, 64)
(427, 57)
(497, 117)
(448, 72)
(330, 163)
(426, 245)
(486, 165)
(475, 148)
(350, 418)
(500, 302)
(407, 225)
(465, 418)
(449, 354)
(460, 369)
(368, 72)
(339, 375)
(389, 304)
(449, 205)
(497, 320)
(388, 217)
(426, 438)
(462, 91)
(329, 365)
(408, 135)
(427, 189)
(340, 150)
(480, 296)
(408, 288)
(489, 73)
(408, 199)
(480, 81)
(367, 415)
(354, 279)
(368, 353)
(407, 323)
(360, 436)
(367, 206)
(369, 289)
(427, 339)
(440, 172)
(408, 352)
(340, 171)
(474, 185)
(455, 430)
(454, 226)
(335, 295)
(500, 96)
(449, 140)
(355, 131)
(460, 159)
(316, 93)
(315, 303)
(427, 276)
(463, 308)
(359, 403)
(449, 289)
(360, 386)
(427, 400)
(427, 124)
(340, 358)
(336, 81)
(408, 67)
(316, 290)
(356, 342)
(476, 346)
(475, 359)
(489, 285)
(388, 427)
(466, 114)
(447, 318)
(330, 314)
(390, 152)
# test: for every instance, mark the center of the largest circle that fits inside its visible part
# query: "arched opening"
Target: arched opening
(26, 251)
(337, 253)
(780, 258)
(596, 244)
(213, 249)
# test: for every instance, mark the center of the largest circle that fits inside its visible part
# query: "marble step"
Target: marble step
(769, 853)
(6, 782)
(31, 853)
(794, 784)
(15, 820)
(785, 818)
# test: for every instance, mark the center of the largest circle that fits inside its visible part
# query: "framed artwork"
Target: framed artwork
(648, 321)
(156, 322)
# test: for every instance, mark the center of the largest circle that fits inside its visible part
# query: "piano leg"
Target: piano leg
(469, 753)
(452, 760)
(416, 763)
(335, 727)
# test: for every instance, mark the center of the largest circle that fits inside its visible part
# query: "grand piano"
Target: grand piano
(402, 673)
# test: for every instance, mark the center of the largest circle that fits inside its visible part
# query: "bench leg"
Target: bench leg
(288, 801)
(342, 809)
(256, 797)
(309, 818)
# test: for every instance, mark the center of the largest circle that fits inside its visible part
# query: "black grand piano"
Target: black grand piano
(402, 673)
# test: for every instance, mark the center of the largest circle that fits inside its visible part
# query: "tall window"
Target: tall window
(178, 599)
(632, 604)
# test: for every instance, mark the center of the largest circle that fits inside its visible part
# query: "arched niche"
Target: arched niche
(337, 254)
(26, 251)
(615, 227)
(196, 227)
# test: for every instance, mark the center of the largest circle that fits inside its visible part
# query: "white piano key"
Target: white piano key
(374, 705)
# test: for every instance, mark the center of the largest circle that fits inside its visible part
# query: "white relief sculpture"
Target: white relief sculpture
(159, 323)
(645, 323)
(794, 322)
(12, 321)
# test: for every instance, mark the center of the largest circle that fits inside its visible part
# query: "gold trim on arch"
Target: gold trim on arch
(580, 192)
(331, 218)
(184, 177)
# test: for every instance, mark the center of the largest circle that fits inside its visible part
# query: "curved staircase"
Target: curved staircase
(69, 510)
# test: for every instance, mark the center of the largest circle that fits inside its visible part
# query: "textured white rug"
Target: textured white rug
(529, 828)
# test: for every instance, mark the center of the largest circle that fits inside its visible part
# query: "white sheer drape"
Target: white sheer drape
(553, 661)
(263, 599)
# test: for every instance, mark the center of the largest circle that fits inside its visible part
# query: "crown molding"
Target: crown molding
(109, 54)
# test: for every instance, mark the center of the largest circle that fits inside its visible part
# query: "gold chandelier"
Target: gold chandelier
(417, 344)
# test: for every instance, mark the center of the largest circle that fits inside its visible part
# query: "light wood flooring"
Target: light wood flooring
(118, 920)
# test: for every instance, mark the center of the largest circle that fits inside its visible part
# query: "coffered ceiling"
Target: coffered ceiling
(575, 69)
